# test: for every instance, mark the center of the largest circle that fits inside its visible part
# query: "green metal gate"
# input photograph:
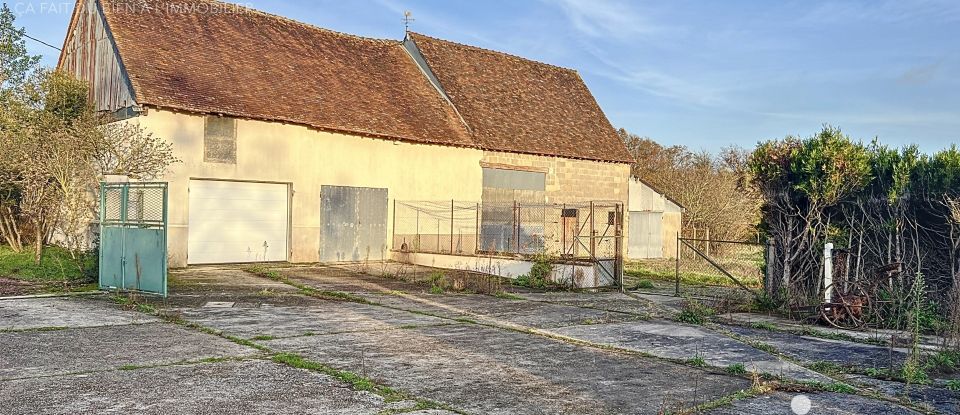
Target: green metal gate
(133, 237)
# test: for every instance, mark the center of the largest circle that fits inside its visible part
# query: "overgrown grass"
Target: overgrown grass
(56, 266)
(666, 271)
(737, 369)
(272, 274)
(827, 368)
(694, 312)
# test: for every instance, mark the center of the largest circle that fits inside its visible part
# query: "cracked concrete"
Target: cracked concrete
(674, 340)
(560, 352)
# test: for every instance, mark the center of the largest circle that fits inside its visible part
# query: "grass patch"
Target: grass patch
(263, 337)
(644, 284)
(304, 289)
(36, 329)
(508, 295)
(665, 271)
(694, 312)
(953, 385)
(827, 368)
(56, 265)
(464, 320)
(355, 381)
(697, 361)
(763, 325)
(736, 369)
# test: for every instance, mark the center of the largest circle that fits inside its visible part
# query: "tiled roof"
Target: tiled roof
(519, 105)
(211, 57)
(251, 64)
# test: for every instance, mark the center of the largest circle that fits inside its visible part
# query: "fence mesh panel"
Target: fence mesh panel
(573, 231)
(712, 269)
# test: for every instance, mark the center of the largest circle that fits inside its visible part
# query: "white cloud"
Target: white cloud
(610, 19)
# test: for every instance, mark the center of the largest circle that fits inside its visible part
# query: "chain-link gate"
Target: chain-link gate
(586, 232)
(133, 237)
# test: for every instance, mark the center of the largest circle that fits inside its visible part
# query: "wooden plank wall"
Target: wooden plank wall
(90, 55)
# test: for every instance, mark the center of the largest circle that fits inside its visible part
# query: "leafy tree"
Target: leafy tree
(711, 188)
(56, 149)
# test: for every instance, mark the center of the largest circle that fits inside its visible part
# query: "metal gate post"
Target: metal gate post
(103, 215)
(164, 239)
(476, 229)
(124, 195)
(677, 267)
(451, 226)
(593, 241)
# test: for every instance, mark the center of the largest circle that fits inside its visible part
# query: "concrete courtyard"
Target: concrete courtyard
(346, 339)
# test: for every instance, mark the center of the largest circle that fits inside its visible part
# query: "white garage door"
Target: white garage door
(237, 222)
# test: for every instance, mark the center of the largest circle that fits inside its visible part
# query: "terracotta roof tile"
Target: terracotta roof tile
(220, 58)
(211, 57)
(520, 105)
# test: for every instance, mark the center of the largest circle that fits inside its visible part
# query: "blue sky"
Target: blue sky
(704, 74)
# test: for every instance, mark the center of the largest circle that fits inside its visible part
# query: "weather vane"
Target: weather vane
(407, 18)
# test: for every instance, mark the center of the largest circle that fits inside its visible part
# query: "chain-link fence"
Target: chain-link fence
(591, 230)
(712, 269)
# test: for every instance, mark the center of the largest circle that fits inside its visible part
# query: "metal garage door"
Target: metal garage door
(237, 222)
(354, 223)
(646, 235)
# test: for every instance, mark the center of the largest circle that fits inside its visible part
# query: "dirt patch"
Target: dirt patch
(10, 287)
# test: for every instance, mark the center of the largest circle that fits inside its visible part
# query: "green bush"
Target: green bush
(539, 275)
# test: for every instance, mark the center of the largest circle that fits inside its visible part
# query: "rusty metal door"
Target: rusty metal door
(354, 223)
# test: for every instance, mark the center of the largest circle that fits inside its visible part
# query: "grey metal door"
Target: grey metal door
(354, 223)
(646, 235)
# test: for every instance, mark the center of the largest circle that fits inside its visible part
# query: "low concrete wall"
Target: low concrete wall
(581, 274)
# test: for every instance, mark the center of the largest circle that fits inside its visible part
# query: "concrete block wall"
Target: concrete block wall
(569, 180)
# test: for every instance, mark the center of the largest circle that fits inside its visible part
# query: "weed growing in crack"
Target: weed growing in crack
(263, 337)
(763, 325)
(697, 361)
(953, 385)
(737, 369)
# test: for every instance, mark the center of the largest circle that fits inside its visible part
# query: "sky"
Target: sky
(705, 74)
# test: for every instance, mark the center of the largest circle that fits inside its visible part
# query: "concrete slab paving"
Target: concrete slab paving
(323, 318)
(606, 300)
(819, 404)
(65, 312)
(937, 398)
(45, 353)
(815, 349)
(247, 387)
(674, 340)
(487, 370)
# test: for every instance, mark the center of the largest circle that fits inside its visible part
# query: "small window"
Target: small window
(220, 140)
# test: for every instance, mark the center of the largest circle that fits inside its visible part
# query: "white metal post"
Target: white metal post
(828, 271)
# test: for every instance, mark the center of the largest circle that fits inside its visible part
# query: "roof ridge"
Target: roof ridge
(250, 10)
(486, 50)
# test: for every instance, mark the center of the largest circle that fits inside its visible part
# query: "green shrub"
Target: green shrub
(953, 385)
(539, 275)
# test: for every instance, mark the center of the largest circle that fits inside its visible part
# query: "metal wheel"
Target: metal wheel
(848, 308)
